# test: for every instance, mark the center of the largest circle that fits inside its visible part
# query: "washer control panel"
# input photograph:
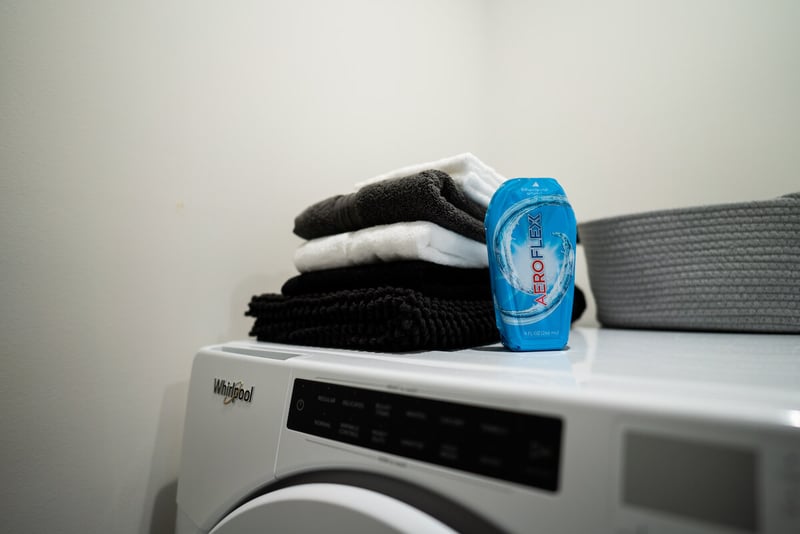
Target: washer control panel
(518, 447)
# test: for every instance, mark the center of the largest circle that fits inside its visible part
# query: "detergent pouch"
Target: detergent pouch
(530, 234)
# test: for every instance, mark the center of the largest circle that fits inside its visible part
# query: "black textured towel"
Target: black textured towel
(364, 308)
(430, 279)
(387, 319)
(428, 196)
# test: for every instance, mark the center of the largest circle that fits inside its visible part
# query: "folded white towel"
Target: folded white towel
(420, 240)
(474, 177)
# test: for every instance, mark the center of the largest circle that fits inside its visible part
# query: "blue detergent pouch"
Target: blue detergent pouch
(530, 234)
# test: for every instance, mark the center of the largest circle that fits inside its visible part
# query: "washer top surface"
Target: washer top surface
(755, 371)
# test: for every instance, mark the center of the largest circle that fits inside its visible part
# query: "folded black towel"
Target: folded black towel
(427, 196)
(384, 319)
(430, 279)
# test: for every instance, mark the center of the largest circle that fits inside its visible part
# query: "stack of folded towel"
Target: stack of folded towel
(398, 265)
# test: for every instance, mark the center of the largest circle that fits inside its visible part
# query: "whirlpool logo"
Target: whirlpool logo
(232, 391)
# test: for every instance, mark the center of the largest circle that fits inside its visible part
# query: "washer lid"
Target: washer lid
(325, 507)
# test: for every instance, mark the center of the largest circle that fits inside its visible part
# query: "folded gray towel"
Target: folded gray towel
(427, 196)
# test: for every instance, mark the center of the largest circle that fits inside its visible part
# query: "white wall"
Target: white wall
(645, 104)
(153, 157)
(154, 154)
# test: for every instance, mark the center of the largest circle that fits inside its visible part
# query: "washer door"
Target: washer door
(328, 507)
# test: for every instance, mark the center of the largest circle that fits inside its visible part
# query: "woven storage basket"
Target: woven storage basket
(730, 267)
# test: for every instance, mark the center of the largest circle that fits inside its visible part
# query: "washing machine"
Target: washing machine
(624, 432)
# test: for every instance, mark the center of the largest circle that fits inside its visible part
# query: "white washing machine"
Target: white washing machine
(625, 432)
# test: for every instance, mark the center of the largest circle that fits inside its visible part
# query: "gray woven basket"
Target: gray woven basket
(730, 267)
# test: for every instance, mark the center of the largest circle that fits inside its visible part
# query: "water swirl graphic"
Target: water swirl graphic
(503, 242)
